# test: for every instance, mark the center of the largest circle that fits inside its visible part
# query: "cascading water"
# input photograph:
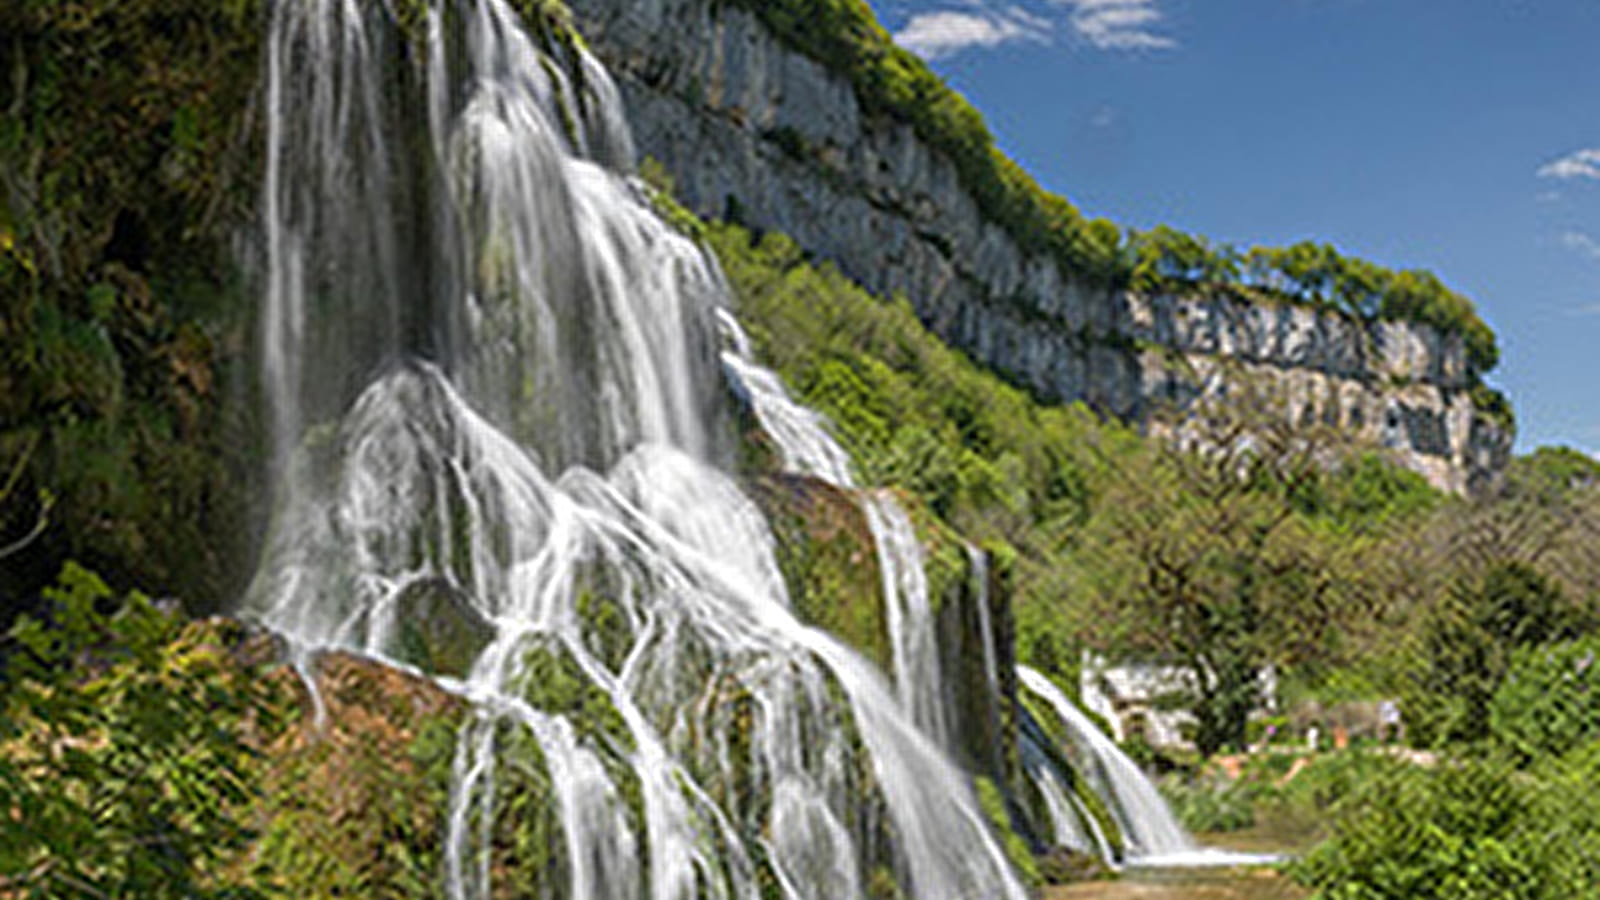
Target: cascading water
(808, 449)
(1071, 825)
(979, 563)
(494, 390)
(1149, 829)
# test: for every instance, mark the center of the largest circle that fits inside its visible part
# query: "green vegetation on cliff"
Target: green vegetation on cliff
(845, 36)
(142, 755)
(126, 163)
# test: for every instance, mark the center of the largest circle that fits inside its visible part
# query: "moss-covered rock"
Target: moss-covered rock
(1039, 725)
(828, 560)
(995, 809)
(971, 590)
(1060, 865)
(437, 629)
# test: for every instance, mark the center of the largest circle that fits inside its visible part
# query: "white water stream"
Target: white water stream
(807, 448)
(492, 377)
(1148, 826)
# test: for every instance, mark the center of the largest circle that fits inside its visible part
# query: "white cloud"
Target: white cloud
(1105, 24)
(1583, 243)
(936, 34)
(1577, 164)
(1117, 24)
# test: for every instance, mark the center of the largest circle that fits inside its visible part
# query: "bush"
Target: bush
(1331, 778)
(122, 760)
(1210, 803)
(1459, 831)
(1465, 830)
(1549, 703)
(1567, 817)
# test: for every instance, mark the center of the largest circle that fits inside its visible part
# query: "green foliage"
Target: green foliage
(123, 760)
(1567, 818)
(1549, 701)
(1369, 492)
(891, 81)
(1494, 407)
(1468, 644)
(1210, 803)
(1165, 258)
(1462, 830)
(1552, 474)
(359, 815)
(125, 165)
(143, 757)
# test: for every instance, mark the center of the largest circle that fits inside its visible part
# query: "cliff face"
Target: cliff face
(754, 131)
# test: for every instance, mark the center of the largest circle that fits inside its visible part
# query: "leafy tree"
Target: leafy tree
(1468, 643)
(1197, 554)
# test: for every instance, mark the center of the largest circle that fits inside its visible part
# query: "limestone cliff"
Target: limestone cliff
(752, 130)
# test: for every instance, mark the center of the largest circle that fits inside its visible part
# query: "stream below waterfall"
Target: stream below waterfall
(1185, 884)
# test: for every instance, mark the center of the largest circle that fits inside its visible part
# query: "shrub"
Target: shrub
(1210, 803)
(122, 757)
(1549, 703)
(1457, 831)
(1331, 778)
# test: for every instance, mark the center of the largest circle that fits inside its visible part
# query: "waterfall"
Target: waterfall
(1071, 824)
(979, 562)
(807, 448)
(493, 384)
(1148, 827)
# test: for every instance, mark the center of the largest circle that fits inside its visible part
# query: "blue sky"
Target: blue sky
(1457, 135)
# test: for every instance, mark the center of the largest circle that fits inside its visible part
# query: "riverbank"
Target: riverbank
(1185, 884)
